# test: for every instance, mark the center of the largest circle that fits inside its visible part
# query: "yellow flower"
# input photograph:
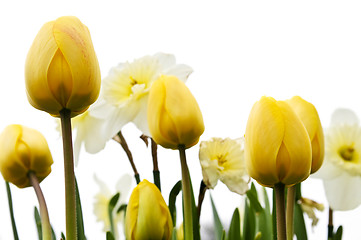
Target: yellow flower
(224, 159)
(277, 145)
(101, 204)
(341, 169)
(174, 117)
(61, 69)
(309, 116)
(23, 150)
(124, 94)
(147, 215)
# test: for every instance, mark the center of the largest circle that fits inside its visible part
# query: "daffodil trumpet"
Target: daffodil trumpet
(70, 198)
(187, 197)
(44, 215)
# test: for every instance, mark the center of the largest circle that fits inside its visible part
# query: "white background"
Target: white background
(239, 51)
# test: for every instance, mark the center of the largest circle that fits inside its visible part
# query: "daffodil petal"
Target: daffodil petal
(343, 116)
(181, 71)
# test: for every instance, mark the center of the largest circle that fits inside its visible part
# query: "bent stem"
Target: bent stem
(10, 201)
(291, 196)
(70, 198)
(202, 192)
(121, 140)
(279, 189)
(156, 173)
(186, 191)
(45, 223)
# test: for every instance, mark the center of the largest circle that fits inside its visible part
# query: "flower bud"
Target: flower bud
(147, 215)
(23, 150)
(174, 117)
(277, 146)
(61, 69)
(309, 117)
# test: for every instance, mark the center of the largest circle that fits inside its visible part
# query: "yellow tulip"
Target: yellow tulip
(174, 117)
(309, 116)
(61, 69)
(147, 215)
(23, 150)
(277, 146)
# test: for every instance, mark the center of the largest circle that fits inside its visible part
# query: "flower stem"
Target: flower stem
(121, 140)
(156, 173)
(45, 223)
(291, 196)
(202, 192)
(279, 189)
(10, 201)
(330, 224)
(186, 189)
(70, 198)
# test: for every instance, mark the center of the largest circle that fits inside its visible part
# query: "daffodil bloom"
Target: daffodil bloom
(309, 116)
(224, 159)
(61, 69)
(101, 204)
(125, 91)
(147, 215)
(309, 206)
(23, 150)
(277, 145)
(174, 117)
(341, 170)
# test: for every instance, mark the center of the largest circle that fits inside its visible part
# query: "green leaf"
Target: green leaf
(174, 234)
(218, 228)
(10, 202)
(299, 225)
(63, 236)
(122, 207)
(38, 223)
(110, 236)
(338, 234)
(224, 235)
(172, 200)
(249, 222)
(196, 227)
(79, 214)
(234, 232)
(111, 205)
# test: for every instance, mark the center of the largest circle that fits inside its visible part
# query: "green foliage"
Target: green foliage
(79, 214)
(234, 232)
(111, 205)
(218, 228)
(109, 236)
(172, 200)
(39, 227)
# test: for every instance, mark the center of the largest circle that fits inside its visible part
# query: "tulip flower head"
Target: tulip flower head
(174, 117)
(223, 159)
(61, 69)
(277, 145)
(147, 215)
(341, 169)
(23, 150)
(309, 116)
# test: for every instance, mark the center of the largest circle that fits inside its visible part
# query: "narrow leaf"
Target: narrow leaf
(110, 236)
(218, 228)
(38, 223)
(172, 200)
(10, 202)
(79, 214)
(338, 234)
(234, 232)
(249, 222)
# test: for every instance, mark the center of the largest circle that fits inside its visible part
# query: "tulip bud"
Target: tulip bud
(174, 117)
(147, 215)
(309, 116)
(277, 146)
(23, 150)
(61, 69)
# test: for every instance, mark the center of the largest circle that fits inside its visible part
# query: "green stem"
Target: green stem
(330, 224)
(10, 201)
(156, 173)
(44, 215)
(291, 194)
(279, 189)
(70, 198)
(186, 189)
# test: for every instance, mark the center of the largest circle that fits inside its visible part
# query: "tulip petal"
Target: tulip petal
(263, 138)
(298, 145)
(74, 41)
(36, 68)
(343, 193)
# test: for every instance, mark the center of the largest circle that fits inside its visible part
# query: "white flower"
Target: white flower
(223, 159)
(341, 170)
(124, 95)
(102, 201)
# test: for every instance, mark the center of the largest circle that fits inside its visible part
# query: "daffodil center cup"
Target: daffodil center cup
(348, 153)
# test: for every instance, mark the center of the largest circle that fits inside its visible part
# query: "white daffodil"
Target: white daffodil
(102, 201)
(341, 170)
(124, 94)
(223, 159)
